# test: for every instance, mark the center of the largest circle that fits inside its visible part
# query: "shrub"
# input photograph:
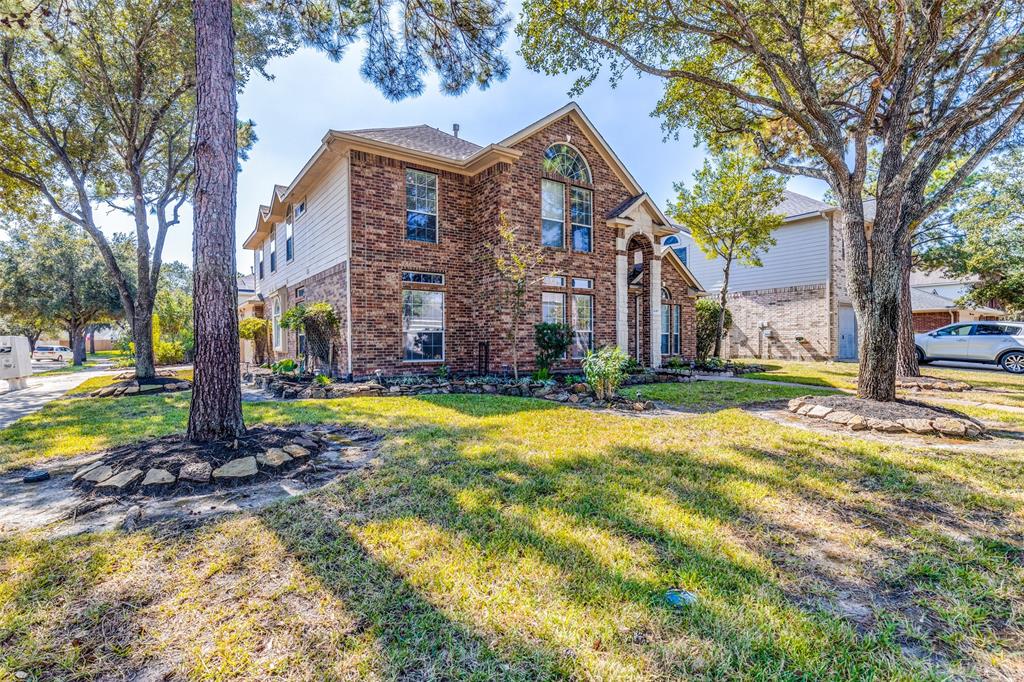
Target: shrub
(542, 374)
(286, 366)
(605, 370)
(631, 366)
(255, 329)
(675, 363)
(168, 352)
(321, 380)
(318, 322)
(553, 340)
(707, 326)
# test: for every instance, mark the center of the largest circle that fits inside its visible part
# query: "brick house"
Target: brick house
(391, 227)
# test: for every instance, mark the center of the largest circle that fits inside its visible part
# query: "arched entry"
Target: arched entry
(639, 259)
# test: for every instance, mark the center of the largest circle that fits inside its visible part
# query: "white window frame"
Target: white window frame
(275, 324)
(582, 283)
(289, 236)
(410, 174)
(576, 332)
(409, 277)
(273, 251)
(677, 325)
(560, 219)
(442, 330)
(553, 281)
(588, 226)
(666, 324)
(543, 305)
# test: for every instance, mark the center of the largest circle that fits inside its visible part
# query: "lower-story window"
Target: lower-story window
(677, 318)
(582, 324)
(666, 328)
(275, 325)
(422, 325)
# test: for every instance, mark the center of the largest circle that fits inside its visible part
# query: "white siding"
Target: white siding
(799, 257)
(320, 234)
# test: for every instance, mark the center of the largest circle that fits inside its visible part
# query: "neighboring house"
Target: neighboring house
(794, 307)
(249, 305)
(392, 226)
(934, 297)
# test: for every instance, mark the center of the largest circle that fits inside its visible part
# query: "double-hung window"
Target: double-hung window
(552, 307)
(422, 325)
(582, 324)
(259, 261)
(420, 206)
(273, 252)
(677, 316)
(289, 231)
(666, 325)
(581, 210)
(552, 213)
(275, 324)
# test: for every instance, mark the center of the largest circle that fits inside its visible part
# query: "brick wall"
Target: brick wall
(329, 286)
(677, 289)
(926, 322)
(798, 318)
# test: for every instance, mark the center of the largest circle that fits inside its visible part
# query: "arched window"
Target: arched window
(669, 241)
(665, 294)
(561, 159)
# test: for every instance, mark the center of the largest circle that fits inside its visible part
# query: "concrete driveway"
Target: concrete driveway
(41, 390)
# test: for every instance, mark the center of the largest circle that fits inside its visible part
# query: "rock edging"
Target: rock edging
(949, 426)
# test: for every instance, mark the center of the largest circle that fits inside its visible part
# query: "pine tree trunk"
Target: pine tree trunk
(142, 332)
(906, 349)
(216, 410)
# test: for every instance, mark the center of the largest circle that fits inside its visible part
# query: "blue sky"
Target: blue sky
(309, 95)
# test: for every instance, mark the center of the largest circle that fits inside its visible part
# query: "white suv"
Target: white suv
(994, 342)
(57, 353)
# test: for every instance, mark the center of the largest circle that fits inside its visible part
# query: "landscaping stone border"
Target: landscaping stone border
(846, 415)
(915, 384)
(126, 384)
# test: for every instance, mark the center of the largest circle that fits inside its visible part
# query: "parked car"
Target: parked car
(57, 353)
(1001, 343)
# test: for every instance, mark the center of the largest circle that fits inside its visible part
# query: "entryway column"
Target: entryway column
(621, 297)
(656, 312)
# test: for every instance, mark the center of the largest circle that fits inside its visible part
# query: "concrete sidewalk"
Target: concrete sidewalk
(41, 390)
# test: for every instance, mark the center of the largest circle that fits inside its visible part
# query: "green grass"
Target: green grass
(706, 394)
(90, 385)
(67, 369)
(515, 539)
(998, 386)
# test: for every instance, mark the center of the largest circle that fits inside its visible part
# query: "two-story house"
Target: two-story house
(393, 227)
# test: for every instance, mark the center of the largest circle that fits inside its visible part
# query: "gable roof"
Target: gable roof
(669, 254)
(925, 301)
(422, 138)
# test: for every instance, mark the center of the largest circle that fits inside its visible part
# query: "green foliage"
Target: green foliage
(173, 304)
(286, 366)
(318, 322)
(570, 379)
(542, 374)
(442, 372)
(981, 235)
(168, 352)
(605, 370)
(631, 366)
(730, 212)
(676, 363)
(708, 312)
(553, 340)
(322, 380)
(253, 327)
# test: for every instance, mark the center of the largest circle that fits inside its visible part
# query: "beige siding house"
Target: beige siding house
(796, 306)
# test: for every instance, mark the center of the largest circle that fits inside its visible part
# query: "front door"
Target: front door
(847, 333)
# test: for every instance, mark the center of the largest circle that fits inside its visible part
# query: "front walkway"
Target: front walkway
(41, 390)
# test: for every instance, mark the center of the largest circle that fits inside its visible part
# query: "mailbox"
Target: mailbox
(15, 361)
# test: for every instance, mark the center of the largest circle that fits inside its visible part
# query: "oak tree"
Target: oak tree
(818, 85)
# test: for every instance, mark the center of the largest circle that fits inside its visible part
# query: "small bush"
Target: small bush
(321, 380)
(676, 363)
(168, 352)
(542, 374)
(605, 370)
(286, 366)
(707, 326)
(553, 340)
(631, 366)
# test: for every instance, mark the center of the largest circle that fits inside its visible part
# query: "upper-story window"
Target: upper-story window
(259, 261)
(581, 209)
(420, 206)
(289, 231)
(561, 159)
(552, 213)
(273, 252)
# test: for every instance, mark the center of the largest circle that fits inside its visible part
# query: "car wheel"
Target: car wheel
(1013, 362)
(921, 359)
(60, 358)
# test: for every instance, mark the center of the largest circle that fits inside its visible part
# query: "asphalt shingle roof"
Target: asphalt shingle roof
(422, 138)
(794, 204)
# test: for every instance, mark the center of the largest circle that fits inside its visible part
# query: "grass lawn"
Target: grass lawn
(90, 385)
(1010, 387)
(516, 539)
(67, 369)
(705, 394)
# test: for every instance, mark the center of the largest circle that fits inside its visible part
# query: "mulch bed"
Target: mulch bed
(898, 416)
(325, 446)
